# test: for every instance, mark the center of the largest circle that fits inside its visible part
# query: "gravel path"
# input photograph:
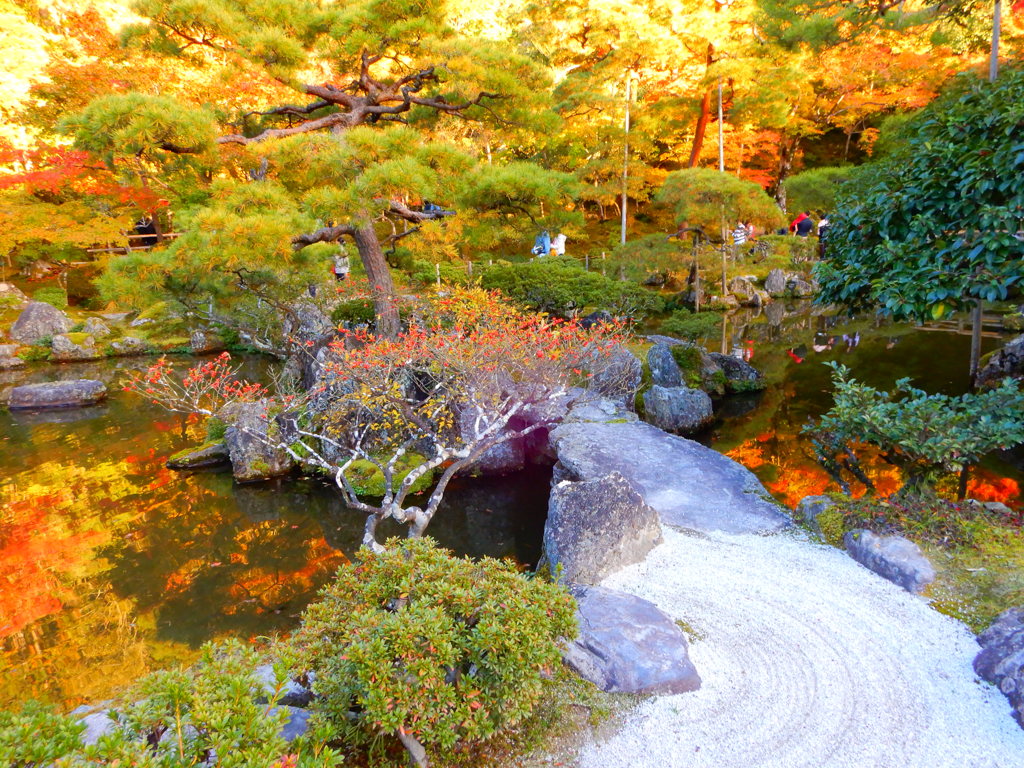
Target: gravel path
(808, 661)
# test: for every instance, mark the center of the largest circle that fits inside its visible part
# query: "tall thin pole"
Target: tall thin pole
(976, 316)
(625, 158)
(721, 144)
(721, 169)
(993, 63)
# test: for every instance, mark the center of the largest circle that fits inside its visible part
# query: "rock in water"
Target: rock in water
(595, 527)
(892, 557)
(628, 645)
(37, 320)
(203, 342)
(57, 394)
(665, 371)
(253, 454)
(207, 455)
(1008, 361)
(740, 376)
(66, 349)
(678, 409)
(775, 283)
(130, 345)
(1001, 658)
(689, 485)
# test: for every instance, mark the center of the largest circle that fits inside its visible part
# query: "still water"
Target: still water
(762, 430)
(111, 565)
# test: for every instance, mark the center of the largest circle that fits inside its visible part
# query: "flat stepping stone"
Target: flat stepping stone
(76, 393)
(689, 485)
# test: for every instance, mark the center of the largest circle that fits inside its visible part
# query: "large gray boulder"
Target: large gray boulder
(595, 527)
(205, 342)
(775, 283)
(740, 376)
(690, 485)
(628, 645)
(65, 349)
(297, 723)
(678, 409)
(892, 557)
(130, 345)
(37, 320)
(253, 454)
(1008, 361)
(76, 393)
(665, 371)
(743, 288)
(1001, 658)
(618, 377)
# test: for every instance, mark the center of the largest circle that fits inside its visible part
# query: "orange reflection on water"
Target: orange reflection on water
(34, 551)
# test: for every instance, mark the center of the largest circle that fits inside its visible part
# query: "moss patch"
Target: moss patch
(368, 480)
(751, 385)
(832, 525)
(689, 360)
(77, 338)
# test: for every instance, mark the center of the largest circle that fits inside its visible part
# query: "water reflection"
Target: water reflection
(791, 345)
(111, 565)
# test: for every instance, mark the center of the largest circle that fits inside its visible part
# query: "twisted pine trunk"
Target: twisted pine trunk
(382, 288)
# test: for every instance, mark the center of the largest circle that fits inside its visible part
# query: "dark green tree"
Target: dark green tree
(938, 224)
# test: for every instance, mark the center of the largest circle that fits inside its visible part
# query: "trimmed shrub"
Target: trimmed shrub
(52, 295)
(430, 648)
(691, 326)
(561, 286)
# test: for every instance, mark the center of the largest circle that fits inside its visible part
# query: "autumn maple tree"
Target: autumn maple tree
(54, 196)
(468, 374)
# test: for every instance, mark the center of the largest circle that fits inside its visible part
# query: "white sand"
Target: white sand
(808, 660)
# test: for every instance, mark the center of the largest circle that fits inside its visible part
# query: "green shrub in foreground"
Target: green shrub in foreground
(182, 717)
(431, 648)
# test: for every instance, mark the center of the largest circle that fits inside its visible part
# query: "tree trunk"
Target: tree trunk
(976, 327)
(702, 117)
(787, 153)
(382, 289)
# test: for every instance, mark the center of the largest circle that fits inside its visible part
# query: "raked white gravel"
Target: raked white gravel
(808, 660)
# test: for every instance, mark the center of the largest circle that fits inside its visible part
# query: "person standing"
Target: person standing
(823, 227)
(804, 226)
(740, 233)
(341, 263)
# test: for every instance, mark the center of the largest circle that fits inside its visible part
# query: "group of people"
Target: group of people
(545, 245)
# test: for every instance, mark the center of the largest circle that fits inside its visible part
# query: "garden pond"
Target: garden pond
(112, 565)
